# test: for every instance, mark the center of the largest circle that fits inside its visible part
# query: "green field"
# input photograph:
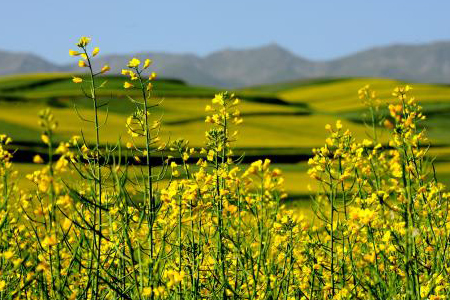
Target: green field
(287, 118)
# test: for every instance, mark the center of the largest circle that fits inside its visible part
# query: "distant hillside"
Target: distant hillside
(268, 64)
(421, 63)
(18, 62)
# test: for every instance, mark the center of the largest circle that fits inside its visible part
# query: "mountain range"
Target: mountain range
(267, 64)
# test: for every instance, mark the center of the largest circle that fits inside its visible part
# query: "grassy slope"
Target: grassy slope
(338, 98)
(288, 116)
(183, 115)
(341, 95)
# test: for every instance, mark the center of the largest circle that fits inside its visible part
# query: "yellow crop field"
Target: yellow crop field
(340, 96)
(272, 192)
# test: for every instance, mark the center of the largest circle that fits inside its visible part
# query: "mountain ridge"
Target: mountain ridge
(267, 64)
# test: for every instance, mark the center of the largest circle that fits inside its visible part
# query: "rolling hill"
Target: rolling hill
(281, 121)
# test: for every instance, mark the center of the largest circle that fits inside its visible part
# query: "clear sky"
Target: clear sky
(315, 29)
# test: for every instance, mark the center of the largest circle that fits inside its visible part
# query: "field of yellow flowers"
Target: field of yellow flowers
(96, 227)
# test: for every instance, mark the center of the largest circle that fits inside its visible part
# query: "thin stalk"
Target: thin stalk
(151, 199)
(332, 236)
(98, 176)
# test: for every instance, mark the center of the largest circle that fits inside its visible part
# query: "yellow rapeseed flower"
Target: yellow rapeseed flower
(37, 159)
(158, 291)
(77, 80)
(84, 41)
(49, 241)
(95, 51)
(133, 75)
(218, 99)
(238, 121)
(2, 285)
(127, 85)
(105, 69)
(45, 139)
(66, 224)
(73, 52)
(82, 64)
(147, 63)
(134, 62)
(8, 254)
(185, 156)
(147, 291)
(42, 267)
(152, 76)
(210, 155)
(388, 124)
(17, 262)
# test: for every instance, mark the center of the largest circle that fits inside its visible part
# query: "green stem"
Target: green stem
(98, 176)
(151, 199)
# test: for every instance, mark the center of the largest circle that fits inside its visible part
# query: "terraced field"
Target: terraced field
(284, 120)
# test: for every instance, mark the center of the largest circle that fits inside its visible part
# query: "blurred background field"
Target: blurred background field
(281, 121)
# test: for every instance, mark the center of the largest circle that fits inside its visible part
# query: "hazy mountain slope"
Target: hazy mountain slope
(268, 64)
(256, 66)
(424, 63)
(182, 66)
(17, 62)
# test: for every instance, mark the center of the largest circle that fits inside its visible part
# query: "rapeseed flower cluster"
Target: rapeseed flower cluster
(97, 227)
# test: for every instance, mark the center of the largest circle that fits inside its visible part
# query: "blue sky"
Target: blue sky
(316, 29)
